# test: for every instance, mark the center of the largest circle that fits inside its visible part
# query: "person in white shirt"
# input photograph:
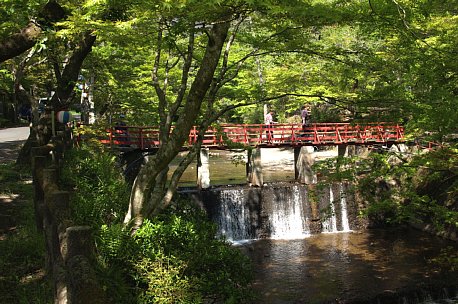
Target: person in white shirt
(268, 121)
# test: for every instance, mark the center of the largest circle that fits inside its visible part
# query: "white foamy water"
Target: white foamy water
(329, 225)
(343, 209)
(234, 221)
(288, 219)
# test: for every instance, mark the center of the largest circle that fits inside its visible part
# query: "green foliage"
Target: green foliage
(448, 259)
(436, 182)
(22, 252)
(100, 193)
(165, 281)
(216, 270)
(419, 188)
(175, 258)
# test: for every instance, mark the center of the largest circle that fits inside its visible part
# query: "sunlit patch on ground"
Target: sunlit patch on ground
(36, 276)
(8, 198)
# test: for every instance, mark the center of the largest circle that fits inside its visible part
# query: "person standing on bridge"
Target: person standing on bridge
(121, 132)
(304, 117)
(268, 121)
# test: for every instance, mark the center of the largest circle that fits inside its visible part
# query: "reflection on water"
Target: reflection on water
(348, 266)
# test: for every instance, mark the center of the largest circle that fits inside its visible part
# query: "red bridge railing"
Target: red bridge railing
(229, 135)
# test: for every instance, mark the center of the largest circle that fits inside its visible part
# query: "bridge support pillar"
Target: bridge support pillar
(304, 159)
(343, 151)
(254, 168)
(396, 150)
(203, 169)
(362, 151)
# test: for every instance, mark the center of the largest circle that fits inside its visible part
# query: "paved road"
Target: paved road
(11, 140)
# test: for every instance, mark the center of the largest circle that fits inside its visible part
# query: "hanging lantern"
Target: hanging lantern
(64, 116)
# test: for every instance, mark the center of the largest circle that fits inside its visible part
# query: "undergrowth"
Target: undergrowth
(22, 252)
(173, 258)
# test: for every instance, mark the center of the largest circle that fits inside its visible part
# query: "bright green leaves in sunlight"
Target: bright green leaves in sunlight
(15, 14)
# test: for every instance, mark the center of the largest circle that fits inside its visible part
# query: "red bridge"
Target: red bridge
(239, 135)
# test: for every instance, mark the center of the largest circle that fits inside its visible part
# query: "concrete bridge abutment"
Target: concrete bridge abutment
(203, 169)
(304, 158)
(254, 168)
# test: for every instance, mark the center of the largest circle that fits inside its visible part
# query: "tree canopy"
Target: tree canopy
(181, 63)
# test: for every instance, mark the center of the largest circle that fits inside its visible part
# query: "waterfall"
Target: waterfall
(343, 209)
(277, 211)
(233, 219)
(329, 223)
(288, 219)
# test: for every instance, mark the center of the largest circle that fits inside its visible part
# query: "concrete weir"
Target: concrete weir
(279, 210)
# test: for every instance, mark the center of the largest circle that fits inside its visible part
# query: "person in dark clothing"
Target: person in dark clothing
(304, 117)
(121, 132)
(25, 112)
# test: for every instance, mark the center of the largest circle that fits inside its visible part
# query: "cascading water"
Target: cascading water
(343, 209)
(329, 223)
(288, 219)
(233, 220)
(277, 211)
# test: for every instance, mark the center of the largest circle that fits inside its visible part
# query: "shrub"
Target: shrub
(218, 270)
(175, 258)
(100, 193)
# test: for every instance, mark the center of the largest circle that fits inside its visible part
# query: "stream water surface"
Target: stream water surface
(371, 266)
(374, 266)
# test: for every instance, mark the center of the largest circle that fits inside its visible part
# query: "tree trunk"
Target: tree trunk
(144, 199)
(18, 43)
(65, 84)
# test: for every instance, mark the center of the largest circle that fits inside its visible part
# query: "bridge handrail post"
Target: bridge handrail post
(337, 133)
(245, 135)
(293, 138)
(221, 140)
(261, 131)
(110, 136)
(399, 132)
(214, 135)
(141, 141)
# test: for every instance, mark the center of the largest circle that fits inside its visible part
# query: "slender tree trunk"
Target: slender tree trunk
(146, 196)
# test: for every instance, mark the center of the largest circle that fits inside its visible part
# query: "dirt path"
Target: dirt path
(11, 141)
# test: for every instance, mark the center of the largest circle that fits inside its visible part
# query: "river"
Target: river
(386, 266)
(373, 266)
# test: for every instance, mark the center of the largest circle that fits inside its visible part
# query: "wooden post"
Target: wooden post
(58, 219)
(78, 253)
(58, 150)
(38, 165)
(49, 184)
